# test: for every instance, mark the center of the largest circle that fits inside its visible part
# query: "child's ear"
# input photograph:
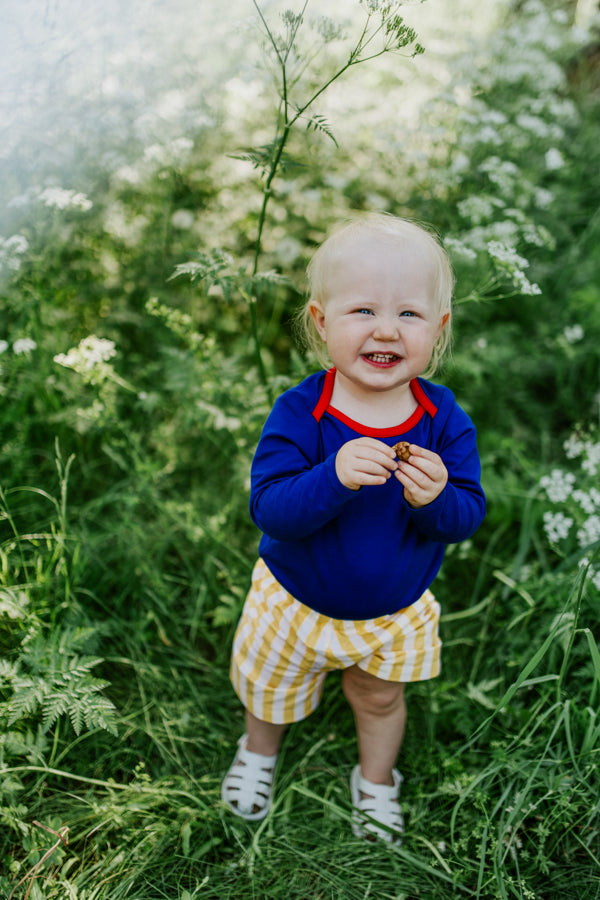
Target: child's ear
(443, 322)
(318, 316)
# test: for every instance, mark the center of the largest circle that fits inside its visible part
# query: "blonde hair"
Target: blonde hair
(390, 228)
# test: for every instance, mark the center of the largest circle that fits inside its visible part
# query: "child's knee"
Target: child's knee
(366, 691)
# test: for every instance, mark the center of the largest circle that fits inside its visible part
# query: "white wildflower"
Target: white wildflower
(524, 285)
(573, 333)
(554, 159)
(589, 533)
(507, 255)
(89, 416)
(556, 526)
(476, 209)
(156, 153)
(592, 461)
(182, 219)
(459, 249)
(512, 264)
(121, 225)
(176, 151)
(534, 124)
(24, 346)
(558, 485)
(12, 250)
(573, 447)
(129, 174)
(60, 198)
(89, 358)
(502, 173)
(485, 134)
(495, 117)
(543, 197)
(589, 501)
(539, 237)
(460, 163)
(181, 146)
(16, 243)
(171, 105)
(3, 346)
(503, 231)
(288, 250)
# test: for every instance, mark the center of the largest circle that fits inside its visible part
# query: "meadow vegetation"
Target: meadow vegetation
(147, 302)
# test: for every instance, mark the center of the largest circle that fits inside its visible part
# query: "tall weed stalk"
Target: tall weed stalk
(299, 83)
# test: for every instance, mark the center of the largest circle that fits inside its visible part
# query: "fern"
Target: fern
(50, 680)
(28, 744)
(13, 604)
(272, 277)
(8, 670)
(28, 695)
(208, 266)
(320, 123)
(81, 702)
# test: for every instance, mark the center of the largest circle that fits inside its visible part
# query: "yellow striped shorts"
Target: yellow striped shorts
(283, 650)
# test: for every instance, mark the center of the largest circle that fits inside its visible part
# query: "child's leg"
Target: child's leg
(263, 737)
(248, 786)
(380, 716)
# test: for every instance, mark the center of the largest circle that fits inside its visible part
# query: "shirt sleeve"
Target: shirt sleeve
(460, 508)
(293, 491)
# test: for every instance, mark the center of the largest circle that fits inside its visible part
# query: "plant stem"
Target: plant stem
(282, 134)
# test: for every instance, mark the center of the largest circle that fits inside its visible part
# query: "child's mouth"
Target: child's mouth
(382, 359)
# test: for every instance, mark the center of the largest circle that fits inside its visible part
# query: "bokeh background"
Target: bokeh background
(167, 170)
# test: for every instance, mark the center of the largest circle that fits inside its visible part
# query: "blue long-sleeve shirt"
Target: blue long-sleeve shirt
(358, 554)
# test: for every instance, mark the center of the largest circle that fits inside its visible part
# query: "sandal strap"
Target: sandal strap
(248, 786)
(380, 803)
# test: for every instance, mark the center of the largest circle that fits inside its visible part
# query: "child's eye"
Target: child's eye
(407, 312)
(364, 311)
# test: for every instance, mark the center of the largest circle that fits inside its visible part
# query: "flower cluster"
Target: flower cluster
(573, 525)
(508, 261)
(90, 358)
(512, 149)
(12, 250)
(61, 198)
(20, 347)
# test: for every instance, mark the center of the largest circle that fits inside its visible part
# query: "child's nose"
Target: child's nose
(386, 328)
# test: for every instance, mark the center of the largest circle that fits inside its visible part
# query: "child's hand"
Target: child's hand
(423, 477)
(364, 461)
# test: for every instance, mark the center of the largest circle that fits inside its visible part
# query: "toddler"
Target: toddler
(352, 537)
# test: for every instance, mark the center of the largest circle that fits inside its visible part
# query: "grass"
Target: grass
(500, 757)
(512, 812)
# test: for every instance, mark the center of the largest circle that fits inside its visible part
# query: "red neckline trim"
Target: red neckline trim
(323, 405)
(326, 393)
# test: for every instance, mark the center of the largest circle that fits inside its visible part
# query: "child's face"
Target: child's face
(379, 319)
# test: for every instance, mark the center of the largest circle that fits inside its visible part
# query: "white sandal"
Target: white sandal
(248, 786)
(377, 802)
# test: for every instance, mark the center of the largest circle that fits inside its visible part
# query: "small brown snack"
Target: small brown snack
(401, 450)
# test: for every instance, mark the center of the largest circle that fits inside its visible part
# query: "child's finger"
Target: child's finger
(376, 451)
(426, 461)
(412, 478)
